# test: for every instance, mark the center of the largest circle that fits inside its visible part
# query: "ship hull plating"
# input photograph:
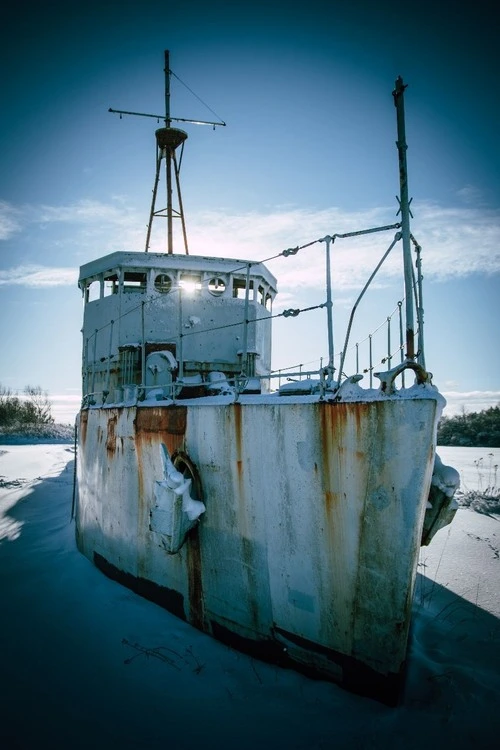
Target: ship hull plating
(307, 551)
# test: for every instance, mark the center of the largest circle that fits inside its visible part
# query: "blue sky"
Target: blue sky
(309, 149)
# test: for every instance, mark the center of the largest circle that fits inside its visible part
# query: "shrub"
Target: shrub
(481, 429)
(32, 408)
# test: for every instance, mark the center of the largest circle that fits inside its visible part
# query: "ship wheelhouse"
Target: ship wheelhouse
(158, 326)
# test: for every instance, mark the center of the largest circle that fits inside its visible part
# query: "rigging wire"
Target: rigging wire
(284, 253)
(197, 97)
(291, 312)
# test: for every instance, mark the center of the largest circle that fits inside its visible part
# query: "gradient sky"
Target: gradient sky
(309, 149)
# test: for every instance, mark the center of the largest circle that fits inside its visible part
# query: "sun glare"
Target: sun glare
(189, 286)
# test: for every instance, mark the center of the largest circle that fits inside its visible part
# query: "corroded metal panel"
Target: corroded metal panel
(313, 519)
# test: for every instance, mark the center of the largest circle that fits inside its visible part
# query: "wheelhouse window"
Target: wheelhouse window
(134, 281)
(92, 290)
(110, 284)
(239, 288)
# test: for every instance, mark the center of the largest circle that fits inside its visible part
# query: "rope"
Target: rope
(75, 445)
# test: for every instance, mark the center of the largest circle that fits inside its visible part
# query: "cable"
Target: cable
(197, 97)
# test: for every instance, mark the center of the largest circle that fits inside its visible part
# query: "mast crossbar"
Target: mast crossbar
(163, 117)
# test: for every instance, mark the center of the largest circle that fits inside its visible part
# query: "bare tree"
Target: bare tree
(37, 405)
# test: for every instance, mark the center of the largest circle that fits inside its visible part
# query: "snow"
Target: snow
(445, 478)
(88, 664)
(303, 393)
(46, 433)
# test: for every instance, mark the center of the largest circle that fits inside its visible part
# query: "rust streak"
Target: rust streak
(361, 415)
(162, 424)
(332, 425)
(183, 463)
(142, 509)
(329, 500)
(238, 439)
(171, 419)
(84, 419)
(111, 435)
(237, 429)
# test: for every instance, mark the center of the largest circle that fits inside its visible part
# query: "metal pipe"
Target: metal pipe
(143, 347)
(329, 315)
(167, 88)
(93, 363)
(75, 451)
(181, 207)
(155, 191)
(162, 117)
(245, 326)
(181, 352)
(389, 355)
(359, 232)
(168, 159)
(401, 340)
(397, 237)
(370, 358)
(168, 155)
(420, 306)
(108, 374)
(398, 94)
(86, 367)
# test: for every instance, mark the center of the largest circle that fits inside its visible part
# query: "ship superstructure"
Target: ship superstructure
(151, 319)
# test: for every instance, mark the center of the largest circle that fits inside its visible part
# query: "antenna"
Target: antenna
(168, 139)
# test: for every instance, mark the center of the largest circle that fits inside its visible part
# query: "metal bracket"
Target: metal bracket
(388, 377)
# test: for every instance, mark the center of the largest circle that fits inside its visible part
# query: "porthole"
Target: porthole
(163, 283)
(216, 286)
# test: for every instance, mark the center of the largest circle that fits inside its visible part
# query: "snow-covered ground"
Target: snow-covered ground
(86, 663)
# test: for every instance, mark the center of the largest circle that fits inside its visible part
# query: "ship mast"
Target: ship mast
(168, 140)
(404, 205)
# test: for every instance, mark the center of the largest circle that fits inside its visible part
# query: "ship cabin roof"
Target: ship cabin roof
(162, 262)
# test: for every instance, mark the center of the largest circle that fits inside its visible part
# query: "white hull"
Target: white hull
(308, 548)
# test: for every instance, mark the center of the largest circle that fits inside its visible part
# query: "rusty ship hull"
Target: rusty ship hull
(306, 554)
(284, 519)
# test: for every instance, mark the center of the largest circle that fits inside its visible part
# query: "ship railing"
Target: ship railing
(334, 364)
(301, 382)
(234, 386)
(388, 355)
(336, 374)
(382, 348)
